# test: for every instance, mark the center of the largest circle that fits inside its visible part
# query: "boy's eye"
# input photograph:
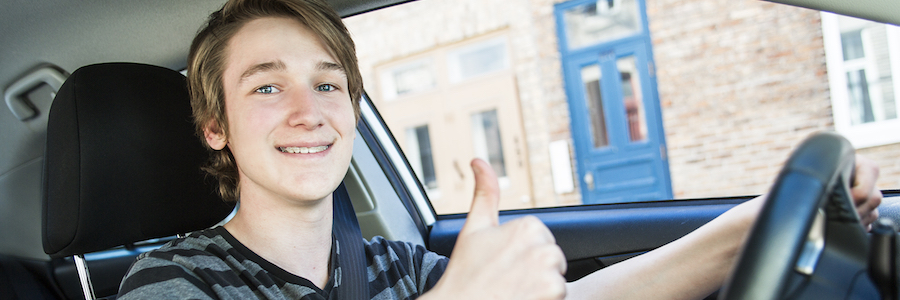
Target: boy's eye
(326, 88)
(268, 89)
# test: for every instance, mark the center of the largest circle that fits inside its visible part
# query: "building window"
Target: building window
(408, 78)
(597, 22)
(862, 57)
(487, 143)
(478, 59)
(418, 144)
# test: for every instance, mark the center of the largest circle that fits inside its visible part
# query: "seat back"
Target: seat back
(122, 162)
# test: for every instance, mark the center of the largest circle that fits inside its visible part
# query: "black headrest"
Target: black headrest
(122, 162)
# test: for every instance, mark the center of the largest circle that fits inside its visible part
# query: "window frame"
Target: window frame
(393, 161)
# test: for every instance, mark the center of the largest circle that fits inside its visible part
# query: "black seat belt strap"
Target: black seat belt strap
(354, 283)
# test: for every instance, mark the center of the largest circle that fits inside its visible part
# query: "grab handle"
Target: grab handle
(21, 107)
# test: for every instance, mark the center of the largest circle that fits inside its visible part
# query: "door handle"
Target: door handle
(589, 180)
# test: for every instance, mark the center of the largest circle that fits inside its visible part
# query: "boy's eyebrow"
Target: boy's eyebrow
(280, 66)
(263, 67)
(330, 66)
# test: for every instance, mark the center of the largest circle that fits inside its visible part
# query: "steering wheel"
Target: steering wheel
(807, 242)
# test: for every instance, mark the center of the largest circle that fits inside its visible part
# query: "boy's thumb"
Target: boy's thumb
(484, 212)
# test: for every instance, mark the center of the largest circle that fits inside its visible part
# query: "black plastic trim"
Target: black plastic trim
(349, 8)
(591, 231)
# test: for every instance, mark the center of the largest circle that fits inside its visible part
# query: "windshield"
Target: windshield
(587, 102)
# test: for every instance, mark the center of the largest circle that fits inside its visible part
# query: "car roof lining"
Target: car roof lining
(79, 33)
(885, 11)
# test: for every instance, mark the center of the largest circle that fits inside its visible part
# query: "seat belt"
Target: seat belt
(354, 284)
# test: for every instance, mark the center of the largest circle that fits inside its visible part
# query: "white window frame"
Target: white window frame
(866, 135)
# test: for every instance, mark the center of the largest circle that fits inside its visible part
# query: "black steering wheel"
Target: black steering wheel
(807, 242)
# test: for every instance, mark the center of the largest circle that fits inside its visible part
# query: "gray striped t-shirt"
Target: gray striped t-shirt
(212, 264)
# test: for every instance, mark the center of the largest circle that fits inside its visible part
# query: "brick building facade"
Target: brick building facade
(740, 83)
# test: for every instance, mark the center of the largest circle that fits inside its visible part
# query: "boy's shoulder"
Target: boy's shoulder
(196, 242)
(172, 270)
(198, 250)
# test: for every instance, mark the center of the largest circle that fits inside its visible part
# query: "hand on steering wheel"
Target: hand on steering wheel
(866, 196)
(808, 241)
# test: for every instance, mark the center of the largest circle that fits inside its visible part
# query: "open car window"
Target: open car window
(588, 102)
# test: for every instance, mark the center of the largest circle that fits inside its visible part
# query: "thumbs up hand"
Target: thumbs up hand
(516, 260)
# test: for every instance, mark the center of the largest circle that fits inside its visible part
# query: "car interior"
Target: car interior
(99, 163)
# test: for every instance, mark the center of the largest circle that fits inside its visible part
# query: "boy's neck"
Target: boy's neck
(295, 238)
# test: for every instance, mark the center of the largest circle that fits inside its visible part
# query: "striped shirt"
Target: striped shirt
(212, 264)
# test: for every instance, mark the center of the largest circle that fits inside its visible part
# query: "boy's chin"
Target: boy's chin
(315, 192)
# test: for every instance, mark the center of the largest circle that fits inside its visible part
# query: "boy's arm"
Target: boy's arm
(688, 268)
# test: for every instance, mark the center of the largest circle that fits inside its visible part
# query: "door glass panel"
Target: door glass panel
(596, 22)
(486, 138)
(632, 99)
(590, 76)
(418, 143)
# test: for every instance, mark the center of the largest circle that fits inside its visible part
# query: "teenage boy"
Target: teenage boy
(275, 89)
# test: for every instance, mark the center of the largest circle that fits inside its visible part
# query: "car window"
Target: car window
(587, 102)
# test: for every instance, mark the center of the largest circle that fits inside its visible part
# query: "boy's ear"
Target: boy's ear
(215, 138)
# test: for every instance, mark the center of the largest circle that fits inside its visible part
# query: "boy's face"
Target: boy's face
(291, 123)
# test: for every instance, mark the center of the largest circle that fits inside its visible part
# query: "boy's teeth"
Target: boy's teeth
(303, 150)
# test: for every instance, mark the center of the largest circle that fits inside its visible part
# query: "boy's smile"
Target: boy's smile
(304, 150)
(291, 122)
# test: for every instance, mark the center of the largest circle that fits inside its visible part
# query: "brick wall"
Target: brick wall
(741, 83)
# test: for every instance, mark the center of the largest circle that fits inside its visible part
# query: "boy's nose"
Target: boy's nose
(305, 109)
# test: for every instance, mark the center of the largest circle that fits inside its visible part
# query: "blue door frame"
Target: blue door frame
(619, 169)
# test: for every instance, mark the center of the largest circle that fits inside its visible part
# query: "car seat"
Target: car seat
(122, 163)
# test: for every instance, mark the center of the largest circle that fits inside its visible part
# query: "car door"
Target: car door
(591, 237)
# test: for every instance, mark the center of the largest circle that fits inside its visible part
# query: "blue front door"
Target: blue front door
(613, 103)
